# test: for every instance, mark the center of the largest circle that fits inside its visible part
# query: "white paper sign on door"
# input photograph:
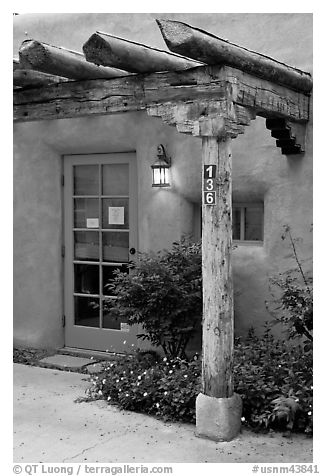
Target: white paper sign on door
(124, 327)
(116, 216)
(92, 222)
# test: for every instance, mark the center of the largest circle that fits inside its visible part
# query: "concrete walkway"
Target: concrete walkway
(50, 427)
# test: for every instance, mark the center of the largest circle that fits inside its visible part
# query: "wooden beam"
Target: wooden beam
(27, 78)
(217, 273)
(82, 98)
(104, 49)
(200, 45)
(62, 62)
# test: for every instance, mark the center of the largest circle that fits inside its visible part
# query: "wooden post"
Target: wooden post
(217, 272)
(218, 409)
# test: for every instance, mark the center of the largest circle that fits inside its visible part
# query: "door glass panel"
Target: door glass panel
(110, 319)
(115, 179)
(116, 246)
(86, 245)
(253, 224)
(236, 223)
(87, 311)
(108, 275)
(115, 213)
(86, 180)
(86, 213)
(87, 279)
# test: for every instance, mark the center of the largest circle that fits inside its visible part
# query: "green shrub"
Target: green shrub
(164, 388)
(268, 371)
(265, 369)
(292, 292)
(163, 293)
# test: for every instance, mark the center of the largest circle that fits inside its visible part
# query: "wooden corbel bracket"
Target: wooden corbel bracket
(290, 136)
(205, 118)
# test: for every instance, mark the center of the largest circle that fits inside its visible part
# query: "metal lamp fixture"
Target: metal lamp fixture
(160, 168)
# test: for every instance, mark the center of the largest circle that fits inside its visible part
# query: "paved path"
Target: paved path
(50, 427)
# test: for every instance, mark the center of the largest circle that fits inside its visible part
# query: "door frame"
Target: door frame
(91, 338)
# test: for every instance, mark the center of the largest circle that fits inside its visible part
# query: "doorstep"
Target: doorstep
(64, 362)
(94, 355)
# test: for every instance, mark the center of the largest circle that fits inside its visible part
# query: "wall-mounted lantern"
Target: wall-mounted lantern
(161, 169)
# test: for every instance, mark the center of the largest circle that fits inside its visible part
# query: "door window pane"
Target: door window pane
(115, 213)
(85, 212)
(115, 179)
(86, 279)
(110, 319)
(108, 275)
(86, 180)
(86, 245)
(253, 224)
(87, 311)
(116, 246)
(236, 223)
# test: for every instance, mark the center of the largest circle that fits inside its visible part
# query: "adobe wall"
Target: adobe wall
(260, 172)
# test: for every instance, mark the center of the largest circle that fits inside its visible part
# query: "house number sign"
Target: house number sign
(209, 184)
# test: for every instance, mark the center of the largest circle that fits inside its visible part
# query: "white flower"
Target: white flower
(104, 380)
(119, 389)
(139, 377)
(297, 400)
(185, 376)
(100, 392)
(109, 398)
(145, 373)
(165, 393)
(127, 394)
(311, 387)
(117, 380)
(170, 371)
(243, 418)
(145, 394)
(309, 413)
(157, 405)
(280, 365)
(124, 341)
(165, 359)
(131, 372)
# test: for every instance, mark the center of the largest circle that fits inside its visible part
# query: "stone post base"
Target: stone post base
(218, 419)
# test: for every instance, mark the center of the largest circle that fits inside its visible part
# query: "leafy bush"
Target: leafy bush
(164, 388)
(274, 379)
(163, 294)
(293, 305)
(267, 372)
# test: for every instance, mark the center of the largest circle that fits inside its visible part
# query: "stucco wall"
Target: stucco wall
(260, 172)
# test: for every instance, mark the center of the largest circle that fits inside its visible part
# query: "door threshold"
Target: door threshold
(96, 354)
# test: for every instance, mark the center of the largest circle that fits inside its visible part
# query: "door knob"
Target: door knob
(132, 251)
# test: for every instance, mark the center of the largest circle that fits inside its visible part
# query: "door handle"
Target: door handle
(132, 251)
